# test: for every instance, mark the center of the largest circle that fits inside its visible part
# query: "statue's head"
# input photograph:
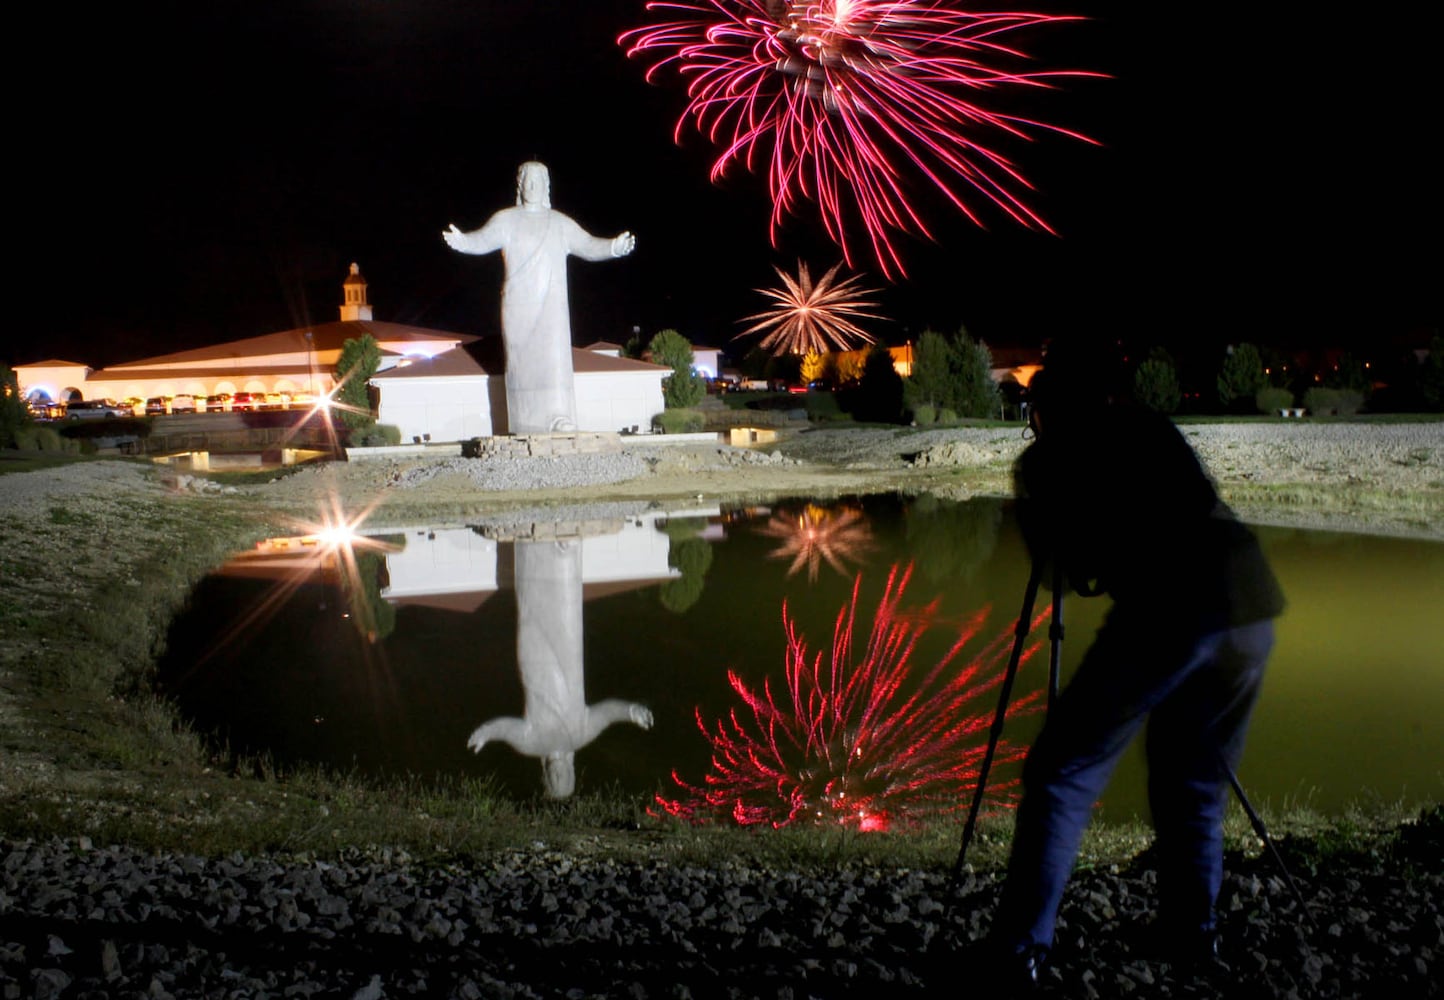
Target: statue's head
(533, 185)
(559, 774)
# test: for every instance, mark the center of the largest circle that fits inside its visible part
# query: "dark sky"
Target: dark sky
(193, 172)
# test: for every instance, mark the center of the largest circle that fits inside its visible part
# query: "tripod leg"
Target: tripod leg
(1055, 636)
(1020, 635)
(1263, 834)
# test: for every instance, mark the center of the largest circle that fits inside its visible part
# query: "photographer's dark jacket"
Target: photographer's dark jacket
(1119, 498)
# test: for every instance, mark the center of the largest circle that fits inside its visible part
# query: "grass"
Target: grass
(88, 750)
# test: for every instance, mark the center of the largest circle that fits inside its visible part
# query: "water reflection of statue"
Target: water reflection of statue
(556, 721)
(534, 241)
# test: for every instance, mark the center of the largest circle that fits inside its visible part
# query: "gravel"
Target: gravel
(84, 921)
(569, 472)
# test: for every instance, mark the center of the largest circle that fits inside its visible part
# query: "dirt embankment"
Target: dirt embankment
(1349, 476)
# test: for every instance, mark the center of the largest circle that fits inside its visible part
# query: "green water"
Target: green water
(394, 674)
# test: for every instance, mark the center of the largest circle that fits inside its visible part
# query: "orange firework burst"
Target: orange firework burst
(819, 534)
(813, 317)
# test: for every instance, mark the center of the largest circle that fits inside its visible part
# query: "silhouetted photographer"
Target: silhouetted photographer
(1114, 499)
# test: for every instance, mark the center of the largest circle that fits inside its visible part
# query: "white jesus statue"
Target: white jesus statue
(534, 241)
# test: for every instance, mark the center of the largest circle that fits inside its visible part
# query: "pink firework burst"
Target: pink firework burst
(858, 739)
(850, 104)
(813, 316)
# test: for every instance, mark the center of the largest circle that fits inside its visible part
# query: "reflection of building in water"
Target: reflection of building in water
(554, 569)
(454, 568)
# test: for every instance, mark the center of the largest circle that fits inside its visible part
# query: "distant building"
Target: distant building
(461, 394)
(299, 360)
(432, 384)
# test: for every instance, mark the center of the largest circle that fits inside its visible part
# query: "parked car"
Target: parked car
(218, 403)
(45, 409)
(183, 403)
(157, 405)
(243, 401)
(97, 409)
(275, 401)
(135, 404)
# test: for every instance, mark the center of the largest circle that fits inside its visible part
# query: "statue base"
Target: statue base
(542, 445)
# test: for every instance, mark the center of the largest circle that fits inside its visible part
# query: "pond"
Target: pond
(793, 659)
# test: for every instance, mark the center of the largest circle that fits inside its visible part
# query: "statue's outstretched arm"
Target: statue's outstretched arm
(583, 244)
(604, 713)
(508, 729)
(484, 240)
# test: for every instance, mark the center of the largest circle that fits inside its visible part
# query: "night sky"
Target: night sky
(207, 171)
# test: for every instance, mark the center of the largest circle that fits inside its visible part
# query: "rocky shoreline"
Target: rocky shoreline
(85, 921)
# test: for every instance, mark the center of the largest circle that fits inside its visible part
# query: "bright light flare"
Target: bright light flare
(859, 738)
(854, 105)
(327, 547)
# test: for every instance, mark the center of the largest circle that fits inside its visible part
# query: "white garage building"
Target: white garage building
(461, 394)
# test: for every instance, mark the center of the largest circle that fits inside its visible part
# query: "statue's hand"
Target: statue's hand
(623, 244)
(454, 237)
(642, 716)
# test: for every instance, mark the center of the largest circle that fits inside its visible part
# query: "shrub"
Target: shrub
(1273, 399)
(40, 438)
(1321, 402)
(1349, 402)
(822, 406)
(679, 421)
(377, 436)
(924, 415)
(947, 416)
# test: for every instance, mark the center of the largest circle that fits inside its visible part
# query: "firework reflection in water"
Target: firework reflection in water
(856, 739)
(819, 534)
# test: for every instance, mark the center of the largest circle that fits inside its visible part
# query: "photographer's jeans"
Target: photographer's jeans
(1196, 691)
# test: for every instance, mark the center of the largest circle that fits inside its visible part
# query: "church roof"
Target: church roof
(324, 337)
(486, 356)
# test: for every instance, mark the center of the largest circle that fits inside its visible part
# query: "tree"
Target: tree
(635, 346)
(849, 366)
(754, 363)
(684, 387)
(13, 412)
(1348, 373)
(1155, 383)
(975, 392)
(880, 391)
(358, 361)
(933, 366)
(1242, 376)
(1431, 375)
(814, 366)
